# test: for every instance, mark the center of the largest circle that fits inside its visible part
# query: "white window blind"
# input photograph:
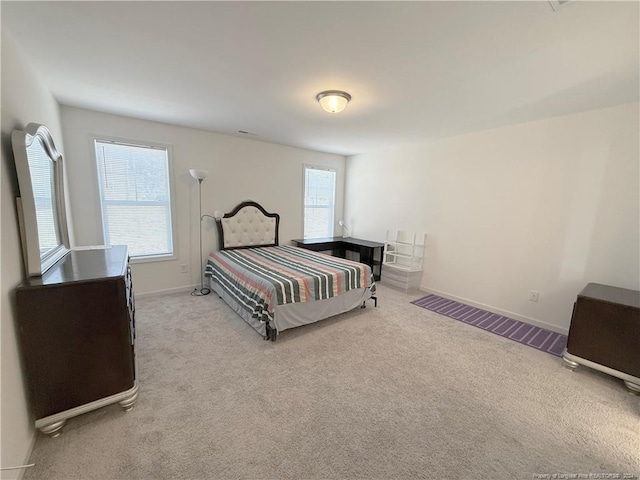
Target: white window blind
(41, 169)
(135, 197)
(319, 198)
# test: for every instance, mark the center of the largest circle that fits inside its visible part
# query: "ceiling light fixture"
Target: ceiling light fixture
(333, 101)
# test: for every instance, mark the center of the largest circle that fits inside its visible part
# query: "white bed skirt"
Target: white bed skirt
(298, 314)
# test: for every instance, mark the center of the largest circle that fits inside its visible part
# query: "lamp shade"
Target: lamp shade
(333, 101)
(199, 174)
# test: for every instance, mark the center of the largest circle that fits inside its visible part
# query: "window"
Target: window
(319, 198)
(135, 197)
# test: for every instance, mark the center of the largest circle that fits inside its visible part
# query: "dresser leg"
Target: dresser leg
(127, 403)
(53, 430)
(569, 364)
(633, 388)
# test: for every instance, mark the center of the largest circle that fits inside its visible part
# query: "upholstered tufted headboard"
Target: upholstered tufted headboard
(248, 225)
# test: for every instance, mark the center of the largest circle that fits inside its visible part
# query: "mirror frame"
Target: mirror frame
(36, 264)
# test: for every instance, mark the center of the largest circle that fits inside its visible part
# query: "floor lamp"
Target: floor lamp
(200, 175)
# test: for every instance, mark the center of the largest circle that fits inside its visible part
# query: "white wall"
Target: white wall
(548, 206)
(25, 99)
(240, 169)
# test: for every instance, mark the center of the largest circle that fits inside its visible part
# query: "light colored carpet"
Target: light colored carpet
(392, 392)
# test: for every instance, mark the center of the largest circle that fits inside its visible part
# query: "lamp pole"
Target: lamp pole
(200, 175)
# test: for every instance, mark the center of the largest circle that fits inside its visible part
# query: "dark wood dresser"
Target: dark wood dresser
(77, 332)
(605, 333)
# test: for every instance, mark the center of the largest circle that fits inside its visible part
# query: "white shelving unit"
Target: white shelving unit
(403, 254)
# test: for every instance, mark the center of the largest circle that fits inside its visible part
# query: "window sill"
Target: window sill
(153, 258)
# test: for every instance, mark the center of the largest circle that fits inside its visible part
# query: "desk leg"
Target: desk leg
(339, 252)
(366, 257)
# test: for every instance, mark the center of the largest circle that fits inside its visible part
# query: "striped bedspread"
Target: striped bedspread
(262, 278)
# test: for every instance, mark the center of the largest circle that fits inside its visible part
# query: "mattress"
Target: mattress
(285, 286)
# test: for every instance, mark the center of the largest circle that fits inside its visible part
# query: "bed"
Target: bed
(277, 287)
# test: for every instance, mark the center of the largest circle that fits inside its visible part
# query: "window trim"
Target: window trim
(93, 138)
(306, 166)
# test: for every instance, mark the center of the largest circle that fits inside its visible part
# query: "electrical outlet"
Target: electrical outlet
(183, 268)
(533, 296)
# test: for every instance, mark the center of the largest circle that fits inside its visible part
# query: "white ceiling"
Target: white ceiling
(416, 70)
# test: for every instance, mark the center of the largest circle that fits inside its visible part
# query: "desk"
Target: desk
(371, 253)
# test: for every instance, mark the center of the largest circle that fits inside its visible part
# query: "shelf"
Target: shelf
(398, 254)
(403, 257)
(404, 268)
(406, 244)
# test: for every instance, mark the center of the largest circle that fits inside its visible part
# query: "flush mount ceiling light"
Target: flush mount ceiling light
(333, 101)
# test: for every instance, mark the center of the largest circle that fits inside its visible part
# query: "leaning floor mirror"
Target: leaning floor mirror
(41, 206)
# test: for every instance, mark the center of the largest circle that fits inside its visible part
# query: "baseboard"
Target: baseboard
(27, 457)
(185, 289)
(499, 311)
